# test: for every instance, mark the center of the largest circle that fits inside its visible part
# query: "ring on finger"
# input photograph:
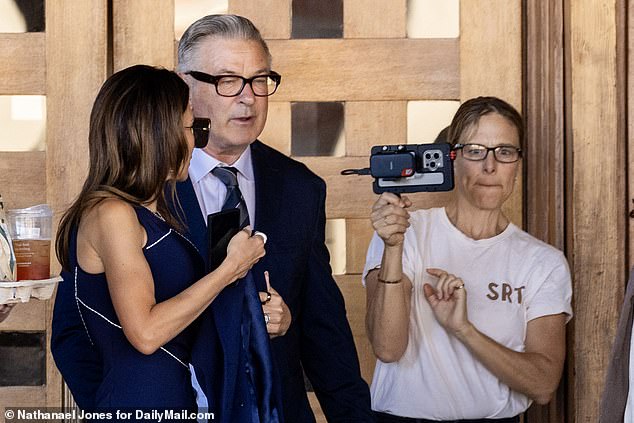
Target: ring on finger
(260, 234)
(268, 298)
(461, 286)
(267, 318)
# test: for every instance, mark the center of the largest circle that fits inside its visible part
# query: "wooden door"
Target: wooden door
(67, 63)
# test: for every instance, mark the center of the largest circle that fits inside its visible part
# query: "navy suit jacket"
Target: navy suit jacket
(290, 210)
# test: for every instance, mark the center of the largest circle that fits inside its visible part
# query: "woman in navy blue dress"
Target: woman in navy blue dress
(139, 284)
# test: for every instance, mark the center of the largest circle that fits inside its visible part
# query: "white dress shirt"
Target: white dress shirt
(211, 192)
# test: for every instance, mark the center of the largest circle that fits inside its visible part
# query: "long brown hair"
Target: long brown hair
(136, 139)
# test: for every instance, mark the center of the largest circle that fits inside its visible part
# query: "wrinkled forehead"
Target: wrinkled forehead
(215, 49)
(491, 128)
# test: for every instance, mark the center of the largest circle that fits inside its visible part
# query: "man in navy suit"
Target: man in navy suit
(227, 65)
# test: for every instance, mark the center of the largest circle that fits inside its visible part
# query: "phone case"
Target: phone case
(221, 227)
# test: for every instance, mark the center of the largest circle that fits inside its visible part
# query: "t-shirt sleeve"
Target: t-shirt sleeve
(373, 257)
(551, 290)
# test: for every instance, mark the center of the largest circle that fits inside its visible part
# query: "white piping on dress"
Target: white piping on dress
(158, 240)
(79, 301)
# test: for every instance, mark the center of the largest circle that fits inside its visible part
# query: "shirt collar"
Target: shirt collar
(203, 163)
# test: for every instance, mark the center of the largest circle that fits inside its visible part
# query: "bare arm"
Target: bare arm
(388, 290)
(535, 372)
(117, 238)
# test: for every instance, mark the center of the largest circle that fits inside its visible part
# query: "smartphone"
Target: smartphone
(221, 227)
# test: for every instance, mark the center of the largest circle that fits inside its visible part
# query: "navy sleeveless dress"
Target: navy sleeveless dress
(131, 379)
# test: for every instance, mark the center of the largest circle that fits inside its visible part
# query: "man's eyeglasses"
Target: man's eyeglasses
(200, 128)
(232, 85)
(502, 153)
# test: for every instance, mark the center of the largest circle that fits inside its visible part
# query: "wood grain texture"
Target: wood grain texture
(370, 123)
(361, 70)
(630, 120)
(358, 235)
(76, 57)
(143, 33)
(597, 225)
(29, 316)
(491, 63)
(375, 19)
(22, 396)
(545, 155)
(23, 178)
(354, 295)
(544, 159)
(271, 17)
(22, 64)
(352, 196)
(277, 131)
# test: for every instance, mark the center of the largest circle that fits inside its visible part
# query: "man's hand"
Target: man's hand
(273, 306)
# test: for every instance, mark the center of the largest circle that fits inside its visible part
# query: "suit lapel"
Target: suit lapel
(196, 225)
(228, 305)
(268, 199)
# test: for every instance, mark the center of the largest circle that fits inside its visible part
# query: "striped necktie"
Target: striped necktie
(233, 199)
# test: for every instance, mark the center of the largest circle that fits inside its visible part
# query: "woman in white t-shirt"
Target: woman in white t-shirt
(466, 312)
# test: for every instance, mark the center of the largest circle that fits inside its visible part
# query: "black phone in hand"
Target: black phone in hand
(221, 227)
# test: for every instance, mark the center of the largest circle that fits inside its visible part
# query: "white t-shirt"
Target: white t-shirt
(510, 279)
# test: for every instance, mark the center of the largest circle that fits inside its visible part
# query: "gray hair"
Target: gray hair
(221, 26)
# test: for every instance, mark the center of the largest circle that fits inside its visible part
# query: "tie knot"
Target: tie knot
(227, 175)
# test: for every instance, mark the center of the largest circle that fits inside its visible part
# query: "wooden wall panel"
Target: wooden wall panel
(76, 67)
(351, 196)
(370, 123)
(491, 62)
(358, 235)
(271, 17)
(24, 396)
(369, 18)
(545, 121)
(20, 185)
(357, 70)
(22, 60)
(630, 119)
(143, 33)
(597, 223)
(354, 294)
(544, 159)
(277, 132)
(29, 316)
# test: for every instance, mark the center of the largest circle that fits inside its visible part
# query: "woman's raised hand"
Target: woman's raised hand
(390, 219)
(244, 250)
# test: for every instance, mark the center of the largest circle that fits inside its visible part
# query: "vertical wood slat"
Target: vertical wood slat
(76, 67)
(367, 18)
(143, 33)
(630, 119)
(597, 224)
(358, 235)
(544, 158)
(354, 295)
(544, 113)
(271, 17)
(370, 123)
(491, 63)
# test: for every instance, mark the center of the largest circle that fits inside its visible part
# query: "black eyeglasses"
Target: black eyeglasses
(200, 128)
(478, 152)
(232, 85)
